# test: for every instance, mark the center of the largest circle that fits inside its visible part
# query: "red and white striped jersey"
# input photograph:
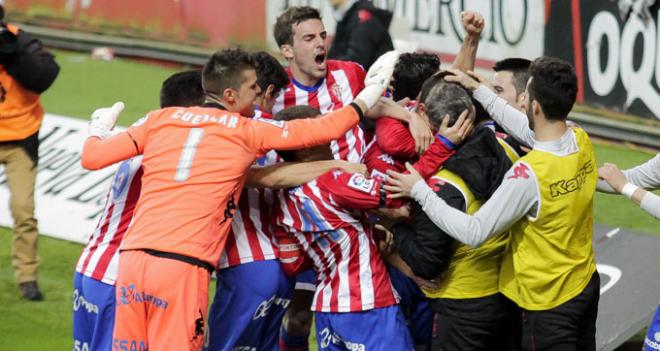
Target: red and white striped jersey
(320, 214)
(251, 235)
(100, 258)
(341, 84)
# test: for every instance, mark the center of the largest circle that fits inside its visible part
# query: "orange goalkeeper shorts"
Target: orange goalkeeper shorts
(161, 303)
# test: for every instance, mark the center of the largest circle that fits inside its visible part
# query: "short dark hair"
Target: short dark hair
(290, 114)
(283, 30)
(182, 89)
(410, 72)
(270, 71)
(553, 86)
(519, 68)
(225, 70)
(442, 98)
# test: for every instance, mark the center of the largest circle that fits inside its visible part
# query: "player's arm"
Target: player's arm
(516, 197)
(620, 182)
(514, 122)
(99, 153)
(101, 150)
(394, 138)
(473, 23)
(421, 244)
(401, 142)
(302, 133)
(355, 191)
(289, 174)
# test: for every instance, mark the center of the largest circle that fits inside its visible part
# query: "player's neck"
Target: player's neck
(302, 77)
(549, 130)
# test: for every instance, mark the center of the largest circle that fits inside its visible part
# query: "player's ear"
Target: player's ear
(270, 91)
(229, 95)
(287, 51)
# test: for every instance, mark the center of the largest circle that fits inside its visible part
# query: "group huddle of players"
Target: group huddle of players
(293, 186)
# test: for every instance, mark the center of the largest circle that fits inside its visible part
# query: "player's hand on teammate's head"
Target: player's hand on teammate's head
(460, 130)
(468, 82)
(613, 176)
(104, 120)
(401, 184)
(473, 22)
(351, 167)
(378, 78)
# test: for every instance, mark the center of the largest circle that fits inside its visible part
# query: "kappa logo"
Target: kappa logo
(520, 172)
(386, 158)
(566, 186)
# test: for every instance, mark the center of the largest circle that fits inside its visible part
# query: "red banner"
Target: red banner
(208, 23)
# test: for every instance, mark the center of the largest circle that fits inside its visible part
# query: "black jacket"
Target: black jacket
(26, 60)
(481, 163)
(362, 35)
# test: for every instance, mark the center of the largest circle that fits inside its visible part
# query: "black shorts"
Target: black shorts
(487, 323)
(567, 327)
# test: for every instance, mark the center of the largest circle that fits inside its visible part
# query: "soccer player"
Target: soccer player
(546, 200)
(470, 314)
(96, 271)
(252, 291)
(510, 80)
(634, 183)
(195, 161)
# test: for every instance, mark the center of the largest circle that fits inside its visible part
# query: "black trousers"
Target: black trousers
(489, 323)
(570, 326)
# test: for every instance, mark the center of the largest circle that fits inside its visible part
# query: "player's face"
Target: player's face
(503, 84)
(309, 52)
(247, 93)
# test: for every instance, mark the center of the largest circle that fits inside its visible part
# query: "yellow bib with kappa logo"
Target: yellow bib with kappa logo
(550, 258)
(472, 272)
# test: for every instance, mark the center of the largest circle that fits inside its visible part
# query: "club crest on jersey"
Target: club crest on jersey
(359, 182)
(336, 89)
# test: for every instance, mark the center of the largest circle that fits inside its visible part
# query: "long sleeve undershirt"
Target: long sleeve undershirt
(647, 176)
(517, 196)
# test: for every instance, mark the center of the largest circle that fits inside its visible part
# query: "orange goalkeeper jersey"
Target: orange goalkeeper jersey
(195, 164)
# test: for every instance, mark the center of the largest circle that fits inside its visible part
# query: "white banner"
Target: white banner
(514, 28)
(68, 198)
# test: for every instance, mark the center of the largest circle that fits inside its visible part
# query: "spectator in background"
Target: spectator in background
(362, 32)
(26, 71)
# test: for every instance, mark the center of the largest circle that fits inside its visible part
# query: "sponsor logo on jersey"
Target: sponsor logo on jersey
(566, 186)
(327, 337)
(129, 345)
(264, 307)
(129, 295)
(521, 171)
(79, 301)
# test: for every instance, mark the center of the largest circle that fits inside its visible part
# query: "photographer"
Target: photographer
(26, 71)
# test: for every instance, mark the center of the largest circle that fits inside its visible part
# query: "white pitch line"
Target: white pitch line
(613, 232)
